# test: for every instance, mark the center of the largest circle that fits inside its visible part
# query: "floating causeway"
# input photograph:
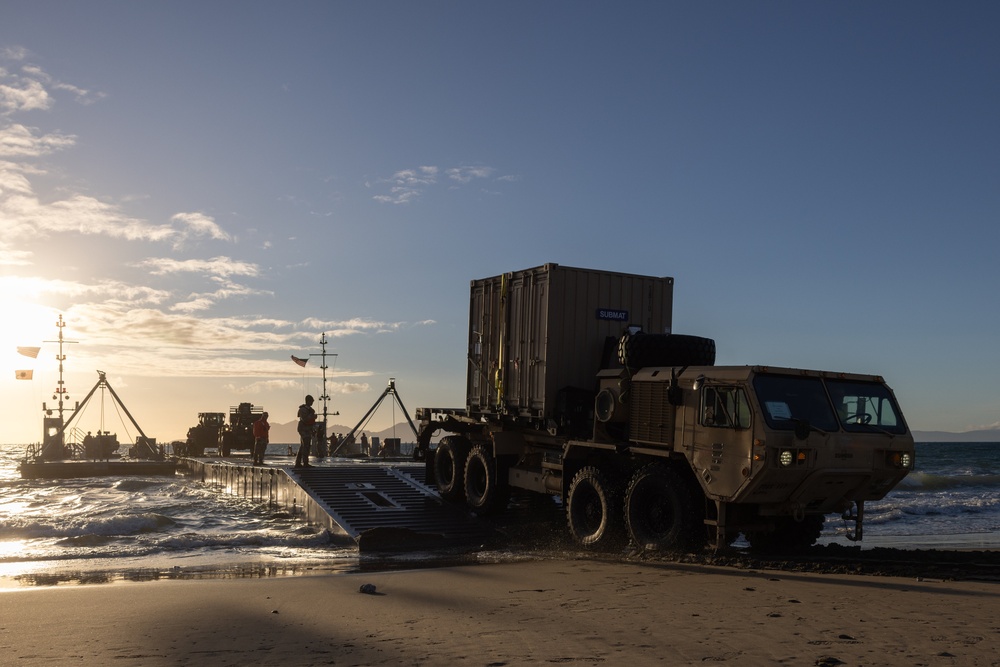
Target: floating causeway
(383, 507)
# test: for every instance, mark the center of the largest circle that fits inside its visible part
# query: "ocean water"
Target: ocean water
(73, 530)
(114, 528)
(951, 500)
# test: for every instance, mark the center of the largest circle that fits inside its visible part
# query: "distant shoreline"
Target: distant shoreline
(946, 436)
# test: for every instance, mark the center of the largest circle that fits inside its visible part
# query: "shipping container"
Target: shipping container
(538, 337)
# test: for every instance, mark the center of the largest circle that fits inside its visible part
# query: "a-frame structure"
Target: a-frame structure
(390, 390)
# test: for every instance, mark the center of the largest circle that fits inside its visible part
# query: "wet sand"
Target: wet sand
(559, 611)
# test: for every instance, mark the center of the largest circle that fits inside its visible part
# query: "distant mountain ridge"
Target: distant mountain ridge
(288, 434)
(990, 435)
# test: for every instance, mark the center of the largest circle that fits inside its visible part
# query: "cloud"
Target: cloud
(23, 96)
(408, 185)
(216, 266)
(204, 301)
(197, 225)
(26, 218)
(18, 140)
(265, 386)
(13, 53)
(28, 90)
(262, 386)
(466, 174)
(341, 328)
(109, 291)
(13, 257)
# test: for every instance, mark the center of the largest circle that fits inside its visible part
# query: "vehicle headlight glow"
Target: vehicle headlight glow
(906, 460)
(786, 457)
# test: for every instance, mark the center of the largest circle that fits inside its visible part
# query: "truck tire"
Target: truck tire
(638, 350)
(449, 466)
(593, 511)
(788, 535)
(485, 492)
(660, 510)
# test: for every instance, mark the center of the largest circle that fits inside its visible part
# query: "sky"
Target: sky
(202, 190)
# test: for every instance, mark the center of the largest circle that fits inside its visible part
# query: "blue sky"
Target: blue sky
(203, 189)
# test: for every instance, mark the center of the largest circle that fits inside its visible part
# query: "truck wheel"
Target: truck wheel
(659, 510)
(788, 535)
(485, 493)
(593, 511)
(449, 466)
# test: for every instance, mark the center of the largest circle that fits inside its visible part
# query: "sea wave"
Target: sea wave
(114, 526)
(921, 481)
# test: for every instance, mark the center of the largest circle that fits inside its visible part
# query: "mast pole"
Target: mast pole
(326, 396)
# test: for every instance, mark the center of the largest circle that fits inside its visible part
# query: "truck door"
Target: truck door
(723, 439)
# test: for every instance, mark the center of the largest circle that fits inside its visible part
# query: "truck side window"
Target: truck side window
(725, 407)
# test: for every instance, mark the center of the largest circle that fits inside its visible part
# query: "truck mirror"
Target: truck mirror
(675, 395)
(802, 429)
(698, 383)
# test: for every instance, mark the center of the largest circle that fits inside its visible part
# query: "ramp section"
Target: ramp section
(363, 499)
(381, 507)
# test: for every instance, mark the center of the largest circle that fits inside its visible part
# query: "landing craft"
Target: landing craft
(59, 457)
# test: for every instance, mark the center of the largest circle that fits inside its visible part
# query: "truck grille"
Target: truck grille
(651, 415)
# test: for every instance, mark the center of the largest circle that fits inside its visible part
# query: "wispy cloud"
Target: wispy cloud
(23, 95)
(466, 174)
(408, 185)
(216, 266)
(265, 386)
(13, 257)
(18, 141)
(198, 225)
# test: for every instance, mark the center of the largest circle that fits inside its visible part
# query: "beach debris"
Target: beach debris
(830, 661)
(368, 589)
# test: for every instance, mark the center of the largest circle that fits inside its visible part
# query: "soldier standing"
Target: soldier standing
(307, 429)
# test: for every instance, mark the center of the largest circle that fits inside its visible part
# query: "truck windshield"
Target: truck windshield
(865, 406)
(787, 400)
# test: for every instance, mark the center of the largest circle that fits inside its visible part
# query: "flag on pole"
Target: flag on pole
(29, 351)
(23, 375)
(300, 362)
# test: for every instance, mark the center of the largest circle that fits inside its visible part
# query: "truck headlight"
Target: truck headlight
(786, 457)
(901, 460)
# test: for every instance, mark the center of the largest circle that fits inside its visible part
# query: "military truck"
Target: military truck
(577, 388)
(239, 433)
(214, 432)
(204, 435)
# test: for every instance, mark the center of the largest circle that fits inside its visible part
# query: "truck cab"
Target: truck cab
(767, 444)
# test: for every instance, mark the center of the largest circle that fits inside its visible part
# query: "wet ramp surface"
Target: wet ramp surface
(391, 507)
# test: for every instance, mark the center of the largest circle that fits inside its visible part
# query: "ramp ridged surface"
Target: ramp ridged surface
(362, 497)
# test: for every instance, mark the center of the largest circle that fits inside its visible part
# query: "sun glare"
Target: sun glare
(26, 323)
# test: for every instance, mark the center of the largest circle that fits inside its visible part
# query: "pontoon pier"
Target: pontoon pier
(383, 507)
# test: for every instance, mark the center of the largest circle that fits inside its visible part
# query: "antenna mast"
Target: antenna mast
(60, 391)
(325, 397)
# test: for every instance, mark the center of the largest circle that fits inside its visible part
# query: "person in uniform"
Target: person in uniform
(307, 429)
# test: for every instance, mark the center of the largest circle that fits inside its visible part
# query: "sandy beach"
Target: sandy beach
(562, 611)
